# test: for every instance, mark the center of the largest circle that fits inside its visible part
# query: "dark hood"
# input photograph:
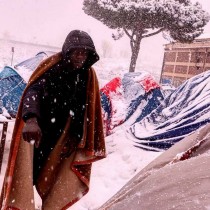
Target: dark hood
(80, 39)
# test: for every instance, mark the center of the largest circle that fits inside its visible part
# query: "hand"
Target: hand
(32, 132)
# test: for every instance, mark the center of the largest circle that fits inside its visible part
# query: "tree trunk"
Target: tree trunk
(135, 52)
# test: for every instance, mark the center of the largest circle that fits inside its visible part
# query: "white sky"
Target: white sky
(47, 21)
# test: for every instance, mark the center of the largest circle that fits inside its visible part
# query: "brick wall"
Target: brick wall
(168, 68)
(195, 70)
(183, 57)
(181, 69)
(208, 57)
(178, 81)
(170, 56)
(183, 61)
(197, 57)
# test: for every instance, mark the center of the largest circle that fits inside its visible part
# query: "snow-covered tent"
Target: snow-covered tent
(11, 88)
(129, 99)
(167, 89)
(33, 62)
(26, 67)
(182, 112)
(13, 82)
(177, 179)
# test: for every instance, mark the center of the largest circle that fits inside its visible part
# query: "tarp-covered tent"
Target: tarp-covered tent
(178, 179)
(142, 92)
(11, 88)
(13, 82)
(167, 89)
(134, 96)
(33, 62)
(182, 112)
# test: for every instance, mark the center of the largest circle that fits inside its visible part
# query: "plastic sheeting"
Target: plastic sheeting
(135, 95)
(11, 89)
(181, 113)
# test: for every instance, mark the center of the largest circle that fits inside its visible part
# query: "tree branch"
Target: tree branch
(132, 41)
(127, 33)
(154, 33)
(132, 45)
(130, 37)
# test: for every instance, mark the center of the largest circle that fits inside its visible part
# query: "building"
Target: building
(183, 61)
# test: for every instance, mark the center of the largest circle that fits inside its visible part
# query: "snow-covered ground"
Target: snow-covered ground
(123, 159)
(110, 174)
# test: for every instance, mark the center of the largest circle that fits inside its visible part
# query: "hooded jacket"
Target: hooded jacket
(58, 93)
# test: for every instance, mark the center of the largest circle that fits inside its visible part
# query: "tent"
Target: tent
(129, 99)
(33, 62)
(13, 82)
(11, 88)
(177, 179)
(183, 111)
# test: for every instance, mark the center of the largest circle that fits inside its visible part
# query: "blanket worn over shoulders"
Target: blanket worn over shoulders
(62, 181)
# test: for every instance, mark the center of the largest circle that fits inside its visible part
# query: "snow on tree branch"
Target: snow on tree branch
(183, 20)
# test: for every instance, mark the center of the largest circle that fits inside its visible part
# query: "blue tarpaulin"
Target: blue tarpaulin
(11, 89)
(12, 84)
(181, 113)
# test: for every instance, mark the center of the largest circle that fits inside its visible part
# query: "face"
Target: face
(78, 58)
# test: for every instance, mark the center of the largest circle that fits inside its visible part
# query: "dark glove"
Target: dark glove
(32, 132)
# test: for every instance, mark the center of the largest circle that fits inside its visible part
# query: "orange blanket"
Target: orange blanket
(62, 182)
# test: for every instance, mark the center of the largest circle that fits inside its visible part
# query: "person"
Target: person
(60, 112)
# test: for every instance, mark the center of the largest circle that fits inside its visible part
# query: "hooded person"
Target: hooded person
(60, 112)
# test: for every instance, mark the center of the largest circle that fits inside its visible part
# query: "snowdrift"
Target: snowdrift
(178, 179)
(181, 113)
